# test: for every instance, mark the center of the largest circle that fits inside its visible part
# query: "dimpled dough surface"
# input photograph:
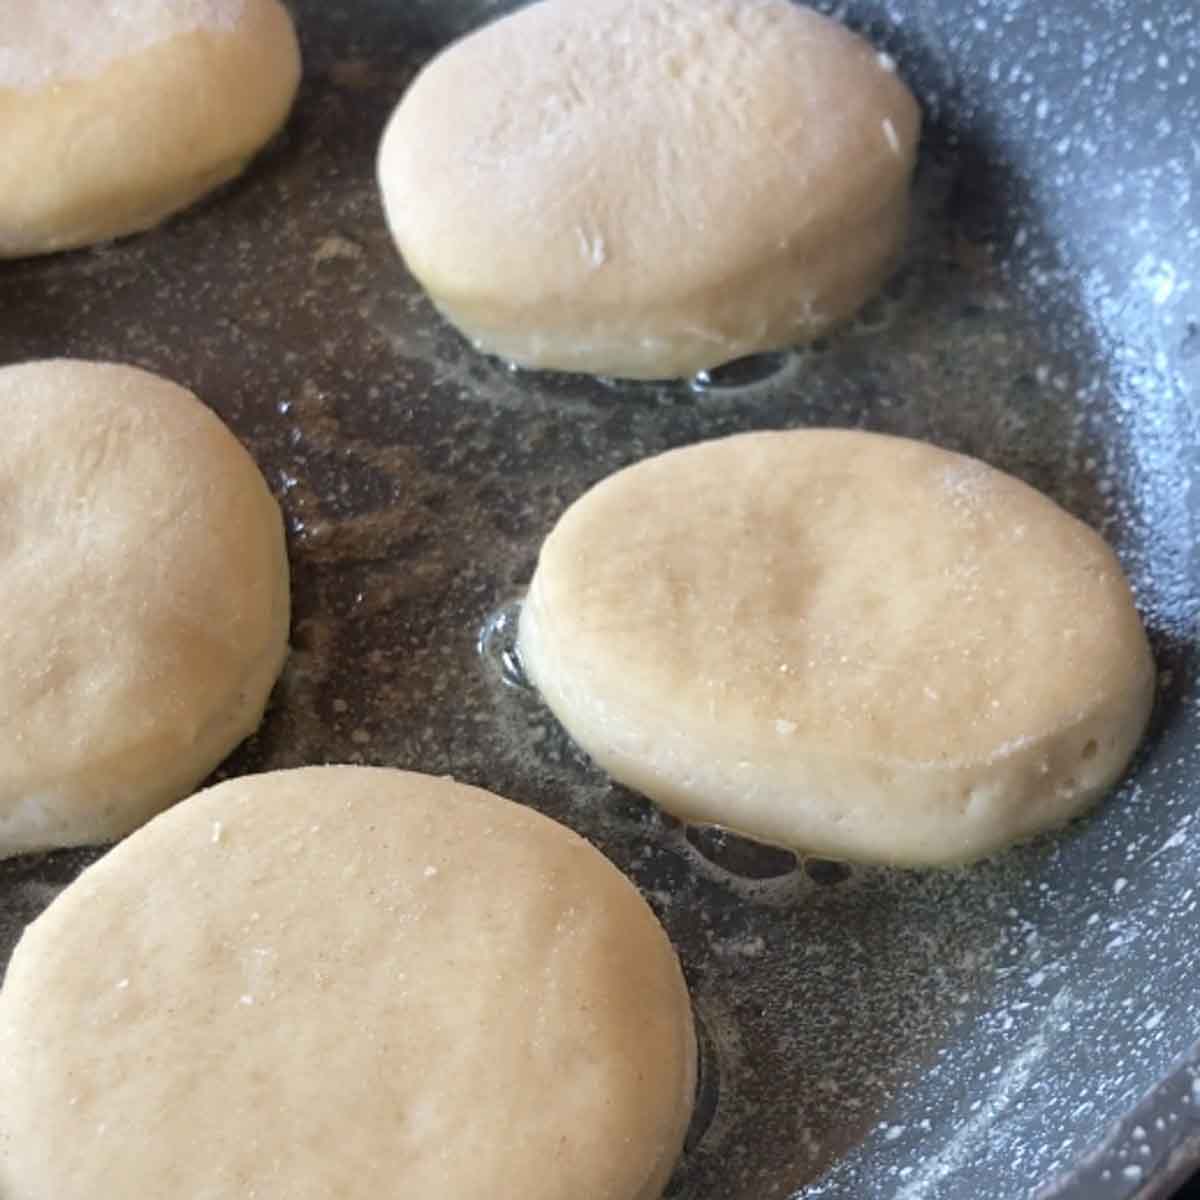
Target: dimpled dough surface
(859, 645)
(648, 188)
(345, 982)
(116, 113)
(143, 599)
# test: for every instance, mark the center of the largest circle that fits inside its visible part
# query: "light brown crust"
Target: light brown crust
(345, 981)
(114, 152)
(144, 599)
(648, 189)
(863, 646)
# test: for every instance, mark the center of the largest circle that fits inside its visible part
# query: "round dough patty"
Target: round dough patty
(648, 188)
(345, 981)
(143, 599)
(861, 646)
(116, 113)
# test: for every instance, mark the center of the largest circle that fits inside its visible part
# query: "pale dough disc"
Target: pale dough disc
(862, 646)
(649, 188)
(143, 599)
(350, 982)
(114, 114)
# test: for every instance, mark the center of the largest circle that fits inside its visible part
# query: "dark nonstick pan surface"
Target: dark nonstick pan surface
(1023, 1028)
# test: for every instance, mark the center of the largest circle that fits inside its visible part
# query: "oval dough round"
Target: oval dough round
(648, 188)
(143, 599)
(858, 645)
(114, 114)
(345, 981)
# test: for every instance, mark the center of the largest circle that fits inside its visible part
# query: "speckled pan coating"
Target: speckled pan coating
(1025, 1028)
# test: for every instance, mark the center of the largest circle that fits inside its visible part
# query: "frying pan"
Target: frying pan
(1021, 1028)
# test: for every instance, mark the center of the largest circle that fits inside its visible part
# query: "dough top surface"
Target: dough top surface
(143, 595)
(345, 981)
(48, 42)
(878, 597)
(589, 141)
